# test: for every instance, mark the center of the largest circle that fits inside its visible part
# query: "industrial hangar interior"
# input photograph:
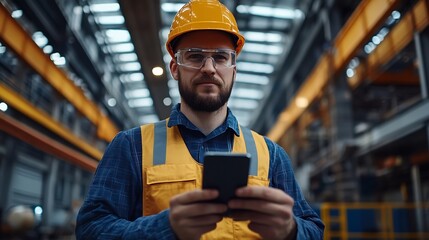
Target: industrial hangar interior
(342, 86)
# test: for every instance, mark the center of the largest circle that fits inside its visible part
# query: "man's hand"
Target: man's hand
(268, 209)
(190, 217)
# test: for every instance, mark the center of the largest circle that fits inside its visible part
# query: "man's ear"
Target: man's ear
(174, 69)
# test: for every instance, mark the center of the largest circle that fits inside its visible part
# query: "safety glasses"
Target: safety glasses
(196, 57)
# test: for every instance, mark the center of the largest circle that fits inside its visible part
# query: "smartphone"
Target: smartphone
(225, 172)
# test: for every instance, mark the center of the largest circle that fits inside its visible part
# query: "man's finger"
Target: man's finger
(260, 206)
(264, 193)
(194, 196)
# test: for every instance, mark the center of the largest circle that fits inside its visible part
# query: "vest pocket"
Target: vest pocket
(165, 181)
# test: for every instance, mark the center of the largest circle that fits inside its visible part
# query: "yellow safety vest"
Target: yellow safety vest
(168, 169)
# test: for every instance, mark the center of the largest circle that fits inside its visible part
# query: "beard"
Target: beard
(203, 103)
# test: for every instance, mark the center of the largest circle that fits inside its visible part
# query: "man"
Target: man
(148, 184)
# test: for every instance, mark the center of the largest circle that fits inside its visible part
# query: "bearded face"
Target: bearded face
(203, 99)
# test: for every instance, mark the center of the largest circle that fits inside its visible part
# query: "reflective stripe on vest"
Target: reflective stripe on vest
(160, 145)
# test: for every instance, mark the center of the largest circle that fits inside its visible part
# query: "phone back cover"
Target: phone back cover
(226, 173)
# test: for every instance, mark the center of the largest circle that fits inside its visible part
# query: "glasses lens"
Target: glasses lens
(196, 58)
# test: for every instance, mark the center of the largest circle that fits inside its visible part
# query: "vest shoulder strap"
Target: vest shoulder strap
(154, 140)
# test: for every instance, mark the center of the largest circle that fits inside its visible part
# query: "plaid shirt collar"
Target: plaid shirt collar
(178, 118)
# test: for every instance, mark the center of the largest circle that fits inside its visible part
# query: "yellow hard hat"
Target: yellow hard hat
(204, 15)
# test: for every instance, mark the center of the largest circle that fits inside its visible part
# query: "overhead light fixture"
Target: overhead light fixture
(130, 67)
(350, 72)
(110, 20)
(105, 7)
(117, 35)
(369, 47)
(243, 103)
(122, 47)
(263, 37)
(171, 7)
(167, 58)
(131, 77)
(247, 93)
(142, 102)
(301, 102)
(3, 106)
(126, 57)
(58, 59)
(137, 93)
(252, 79)
(40, 39)
(284, 13)
(263, 48)
(111, 102)
(174, 93)
(167, 101)
(255, 67)
(17, 14)
(48, 49)
(157, 71)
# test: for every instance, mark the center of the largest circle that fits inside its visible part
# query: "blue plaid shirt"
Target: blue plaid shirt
(113, 206)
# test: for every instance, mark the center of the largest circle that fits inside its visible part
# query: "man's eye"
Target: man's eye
(195, 57)
(220, 57)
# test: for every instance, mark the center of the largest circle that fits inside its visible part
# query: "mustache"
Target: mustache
(208, 79)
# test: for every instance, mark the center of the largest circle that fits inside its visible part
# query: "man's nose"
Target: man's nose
(207, 66)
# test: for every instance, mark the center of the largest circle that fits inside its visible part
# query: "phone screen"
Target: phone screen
(225, 172)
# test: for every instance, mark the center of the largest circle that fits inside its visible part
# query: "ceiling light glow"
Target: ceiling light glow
(129, 67)
(105, 7)
(167, 101)
(157, 71)
(137, 93)
(263, 48)
(143, 102)
(48, 49)
(126, 57)
(252, 79)
(110, 20)
(111, 102)
(3, 106)
(131, 77)
(122, 47)
(301, 102)
(263, 37)
(171, 7)
(255, 67)
(40, 39)
(284, 13)
(16, 14)
(117, 35)
(243, 103)
(350, 72)
(247, 93)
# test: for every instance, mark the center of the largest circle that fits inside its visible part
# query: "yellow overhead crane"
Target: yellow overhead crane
(366, 19)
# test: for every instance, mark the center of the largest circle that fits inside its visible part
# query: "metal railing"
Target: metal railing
(388, 221)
